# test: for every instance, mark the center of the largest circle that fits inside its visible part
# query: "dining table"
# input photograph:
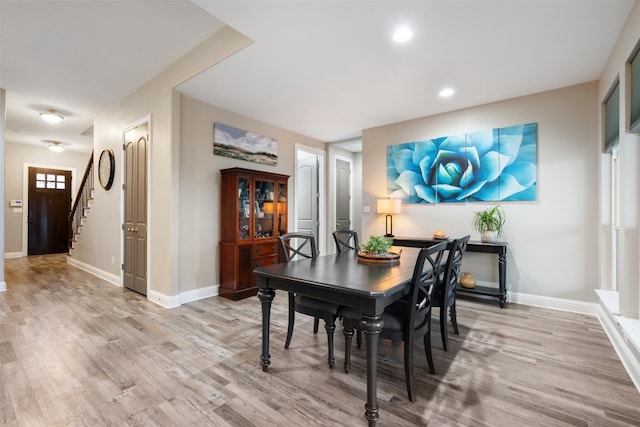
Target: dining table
(350, 281)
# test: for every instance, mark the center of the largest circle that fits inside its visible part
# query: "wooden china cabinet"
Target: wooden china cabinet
(253, 214)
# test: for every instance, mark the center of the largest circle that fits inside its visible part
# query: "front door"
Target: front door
(48, 214)
(135, 209)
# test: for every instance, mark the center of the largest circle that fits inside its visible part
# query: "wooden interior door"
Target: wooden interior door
(48, 214)
(135, 210)
(343, 195)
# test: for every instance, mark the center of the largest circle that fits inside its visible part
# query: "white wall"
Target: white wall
(199, 232)
(553, 242)
(101, 243)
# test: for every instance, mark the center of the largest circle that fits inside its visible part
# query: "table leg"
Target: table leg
(502, 279)
(265, 295)
(372, 326)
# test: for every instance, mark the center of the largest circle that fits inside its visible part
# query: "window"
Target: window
(51, 181)
(634, 73)
(612, 117)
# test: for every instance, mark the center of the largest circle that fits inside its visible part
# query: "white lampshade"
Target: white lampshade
(389, 206)
(51, 116)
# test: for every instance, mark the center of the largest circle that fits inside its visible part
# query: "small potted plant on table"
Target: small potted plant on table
(489, 223)
(377, 245)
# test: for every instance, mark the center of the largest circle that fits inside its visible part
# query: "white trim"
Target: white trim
(111, 278)
(621, 344)
(13, 255)
(25, 197)
(610, 300)
(198, 294)
(3, 286)
(553, 303)
(163, 300)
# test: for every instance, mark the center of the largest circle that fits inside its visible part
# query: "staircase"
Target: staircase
(82, 204)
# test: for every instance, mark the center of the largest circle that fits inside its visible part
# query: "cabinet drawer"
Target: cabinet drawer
(265, 260)
(264, 249)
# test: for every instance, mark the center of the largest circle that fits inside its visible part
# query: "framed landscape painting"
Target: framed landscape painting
(240, 144)
(485, 166)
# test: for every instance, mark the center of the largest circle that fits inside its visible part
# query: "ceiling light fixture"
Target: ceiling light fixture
(51, 116)
(446, 92)
(56, 147)
(402, 34)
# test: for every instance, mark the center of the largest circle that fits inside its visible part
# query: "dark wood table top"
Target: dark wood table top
(344, 279)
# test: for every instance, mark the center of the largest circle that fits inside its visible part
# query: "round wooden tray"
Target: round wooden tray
(387, 258)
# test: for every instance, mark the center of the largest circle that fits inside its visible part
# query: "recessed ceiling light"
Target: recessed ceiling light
(446, 92)
(51, 116)
(402, 35)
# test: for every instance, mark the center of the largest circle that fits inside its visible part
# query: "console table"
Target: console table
(497, 248)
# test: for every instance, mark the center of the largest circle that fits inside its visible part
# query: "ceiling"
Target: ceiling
(324, 69)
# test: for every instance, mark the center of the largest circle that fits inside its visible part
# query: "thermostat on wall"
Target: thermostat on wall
(15, 203)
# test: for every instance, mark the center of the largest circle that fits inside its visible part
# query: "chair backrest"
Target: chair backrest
(451, 274)
(297, 245)
(425, 276)
(346, 240)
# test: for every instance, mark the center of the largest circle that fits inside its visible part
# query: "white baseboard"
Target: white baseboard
(198, 294)
(166, 301)
(111, 278)
(173, 301)
(554, 303)
(13, 255)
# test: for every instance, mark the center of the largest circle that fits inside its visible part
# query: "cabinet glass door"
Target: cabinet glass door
(281, 204)
(244, 208)
(264, 209)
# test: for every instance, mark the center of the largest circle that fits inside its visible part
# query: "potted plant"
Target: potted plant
(377, 245)
(489, 223)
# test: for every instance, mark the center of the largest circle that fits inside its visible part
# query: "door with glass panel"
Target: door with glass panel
(48, 211)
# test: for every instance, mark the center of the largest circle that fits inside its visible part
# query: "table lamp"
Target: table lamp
(388, 207)
(268, 207)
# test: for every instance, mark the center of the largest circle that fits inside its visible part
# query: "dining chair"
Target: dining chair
(346, 240)
(300, 246)
(444, 292)
(407, 319)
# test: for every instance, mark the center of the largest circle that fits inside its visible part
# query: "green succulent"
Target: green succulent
(379, 244)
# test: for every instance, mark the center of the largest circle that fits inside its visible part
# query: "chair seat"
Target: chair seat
(317, 305)
(393, 317)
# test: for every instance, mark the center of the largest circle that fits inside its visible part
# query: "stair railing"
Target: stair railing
(81, 203)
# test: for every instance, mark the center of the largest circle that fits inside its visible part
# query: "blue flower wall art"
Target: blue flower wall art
(485, 166)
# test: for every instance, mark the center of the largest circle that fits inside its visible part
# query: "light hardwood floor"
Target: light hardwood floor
(75, 350)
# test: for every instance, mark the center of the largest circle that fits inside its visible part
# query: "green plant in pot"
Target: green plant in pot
(377, 244)
(489, 223)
